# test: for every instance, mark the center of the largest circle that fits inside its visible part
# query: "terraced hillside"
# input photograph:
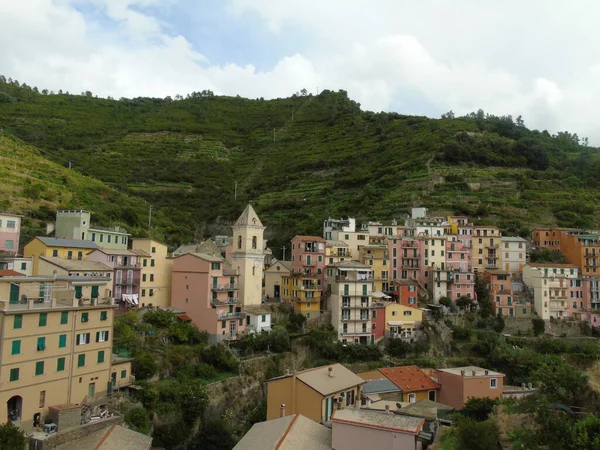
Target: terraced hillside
(301, 159)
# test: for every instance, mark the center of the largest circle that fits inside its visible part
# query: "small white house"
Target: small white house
(18, 264)
(258, 319)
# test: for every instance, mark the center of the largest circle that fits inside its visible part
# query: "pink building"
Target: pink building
(461, 280)
(308, 256)
(576, 298)
(461, 383)
(593, 317)
(208, 293)
(407, 259)
(591, 293)
(127, 275)
(502, 297)
(10, 231)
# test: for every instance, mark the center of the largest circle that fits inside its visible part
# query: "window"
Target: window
(43, 319)
(23, 266)
(394, 313)
(215, 266)
(408, 313)
(11, 224)
(18, 321)
(39, 368)
(151, 292)
(81, 360)
(143, 292)
(103, 315)
(14, 374)
(493, 383)
(62, 341)
(42, 398)
(100, 356)
(412, 398)
(55, 253)
(60, 364)
(254, 242)
(374, 314)
(102, 336)
(83, 338)
(41, 344)
(84, 317)
(93, 237)
(144, 277)
(10, 244)
(151, 277)
(145, 262)
(223, 323)
(151, 263)
(16, 347)
(263, 318)
(79, 256)
(123, 374)
(101, 238)
(64, 317)
(108, 238)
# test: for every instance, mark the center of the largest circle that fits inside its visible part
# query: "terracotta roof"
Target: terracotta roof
(10, 273)
(294, 432)
(409, 378)
(309, 238)
(376, 419)
(184, 317)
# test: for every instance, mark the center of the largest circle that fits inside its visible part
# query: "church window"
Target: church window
(254, 242)
(239, 242)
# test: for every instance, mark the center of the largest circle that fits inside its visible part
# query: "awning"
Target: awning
(397, 323)
(88, 283)
(379, 294)
(184, 317)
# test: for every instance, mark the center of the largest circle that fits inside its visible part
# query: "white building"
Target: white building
(18, 264)
(331, 226)
(551, 284)
(258, 319)
(513, 254)
(351, 286)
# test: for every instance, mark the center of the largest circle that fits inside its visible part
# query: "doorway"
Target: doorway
(432, 396)
(14, 407)
(91, 391)
(276, 291)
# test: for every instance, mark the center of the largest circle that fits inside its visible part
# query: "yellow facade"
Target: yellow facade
(55, 350)
(377, 258)
(402, 319)
(37, 248)
(486, 248)
(157, 268)
(303, 292)
(274, 279)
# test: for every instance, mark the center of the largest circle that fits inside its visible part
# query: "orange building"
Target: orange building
(461, 383)
(501, 295)
(583, 250)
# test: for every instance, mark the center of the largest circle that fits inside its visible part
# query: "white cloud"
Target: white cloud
(537, 59)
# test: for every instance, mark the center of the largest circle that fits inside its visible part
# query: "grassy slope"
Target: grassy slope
(331, 160)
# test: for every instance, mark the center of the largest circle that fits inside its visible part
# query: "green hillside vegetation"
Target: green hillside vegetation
(304, 158)
(37, 187)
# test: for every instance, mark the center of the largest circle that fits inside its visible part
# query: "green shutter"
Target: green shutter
(14, 293)
(41, 344)
(81, 360)
(16, 347)
(100, 356)
(62, 341)
(84, 317)
(39, 368)
(43, 320)
(103, 315)
(123, 373)
(14, 374)
(60, 364)
(95, 291)
(78, 292)
(64, 317)
(18, 321)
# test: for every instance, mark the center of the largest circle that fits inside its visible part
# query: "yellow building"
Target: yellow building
(401, 320)
(57, 248)
(314, 393)
(157, 268)
(56, 349)
(304, 292)
(336, 251)
(486, 248)
(274, 279)
(376, 256)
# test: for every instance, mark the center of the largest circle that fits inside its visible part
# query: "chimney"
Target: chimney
(462, 373)
(487, 371)
(330, 372)
(387, 409)
(474, 373)
(287, 371)
(282, 410)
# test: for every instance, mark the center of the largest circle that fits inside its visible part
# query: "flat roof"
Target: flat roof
(376, 419)
(471, 371)
(558, 266)
(379, 386)
(513, 239)
(350, 265)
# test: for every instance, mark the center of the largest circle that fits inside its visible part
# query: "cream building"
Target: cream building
(513, 254)
(55, 349)
(551, 284)
(157, 269)
(248, 255)
(486, 248)
(351, 286)
(274, 279)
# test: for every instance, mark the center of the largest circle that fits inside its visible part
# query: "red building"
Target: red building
(378, 321)
(407, 293)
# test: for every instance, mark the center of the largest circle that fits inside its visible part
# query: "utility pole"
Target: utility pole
(283, 253)
(150, 217)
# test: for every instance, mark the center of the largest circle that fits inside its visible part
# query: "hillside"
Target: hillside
(304, 158)
(36, 187)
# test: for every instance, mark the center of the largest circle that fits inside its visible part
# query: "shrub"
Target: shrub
(205, 371)
(539, 326)
(144, 365)
(138, 420)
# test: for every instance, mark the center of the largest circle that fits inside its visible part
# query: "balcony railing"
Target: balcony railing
(309, 287)
(126, 282)
(224, 287)
(233, 315)
(228, 301)
(355, 318)
(306, 299)
(353, 279)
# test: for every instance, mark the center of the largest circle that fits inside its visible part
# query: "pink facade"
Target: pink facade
(591, 293)
(502, 297)
(127, 271)
(593, 317)
(461, 280)
(407, 259)
(576, 298)
(377, 321)
(10, 230)
(207, 292)
(308, 256)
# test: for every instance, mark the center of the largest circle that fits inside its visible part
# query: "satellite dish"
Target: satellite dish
(398, 405)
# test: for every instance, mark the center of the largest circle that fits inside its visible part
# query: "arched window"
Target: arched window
(254, 242)
(239, 242)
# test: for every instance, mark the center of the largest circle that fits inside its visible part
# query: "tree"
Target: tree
(304, 92)
(499, 324)
(138, 420)
(170, 435)
(539, 326)
(475, 435)
(479, 408)
(213, 435)
(465, 302)
(11, 438)
(144, 365)
(448, 115)
(148, 395)
(446, 301)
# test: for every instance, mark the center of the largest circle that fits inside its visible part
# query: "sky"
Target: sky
(535, 58)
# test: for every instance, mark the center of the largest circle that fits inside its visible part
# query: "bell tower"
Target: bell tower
(248, 256)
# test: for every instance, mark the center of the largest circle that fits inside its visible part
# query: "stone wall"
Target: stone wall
(73, 434)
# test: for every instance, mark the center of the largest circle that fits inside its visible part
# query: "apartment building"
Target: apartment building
(248, 255)
(308, 256)
(591, 293)
(461, 383)
(377, 257)
(350, 285)
(378, 320)
(156, 268)
(513, 254)
(56, 344)
(486, 248)
(381, 230)
(407, 259)
(547, 238)
(332, 227)
(17, 263)
(501, 295)
(303, 291)
(10, 234)
(551, 285)
(274, 279)
(461, 278)
(583, 250)
(402, 321)
(127, 273)
(76, 224)
(207, 291)
(336, 251)
(57, 248)
(407, 293)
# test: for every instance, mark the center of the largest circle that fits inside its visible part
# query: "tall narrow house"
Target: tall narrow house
(248, 256)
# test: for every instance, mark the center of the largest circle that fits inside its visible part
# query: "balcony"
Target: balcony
(307, 300)
(55, 302)
(128, 265)
(492, 246)
(228, 301)
(126, 282)
(224, 287)
(354, 279)
(490, 266)
(309, 287)
(310, 263)
(491, 256)
(234, 315)
(355, 318)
